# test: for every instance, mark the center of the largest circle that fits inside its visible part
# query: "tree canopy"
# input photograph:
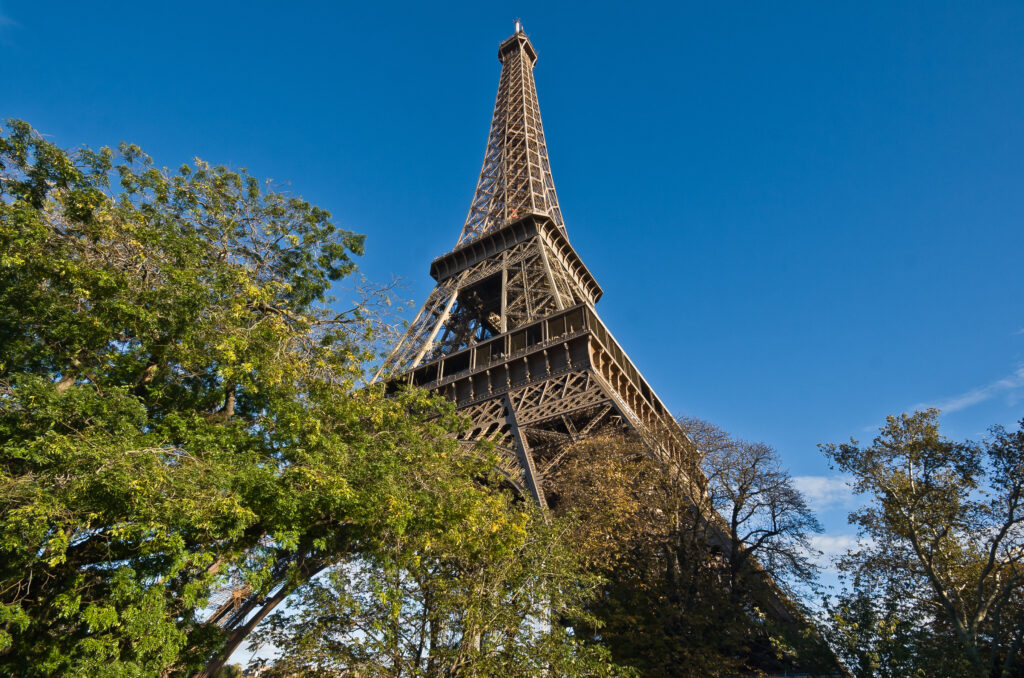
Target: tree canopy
(938, 579)
(687, 592)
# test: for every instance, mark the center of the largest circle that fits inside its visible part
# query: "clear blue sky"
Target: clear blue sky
(805, 215)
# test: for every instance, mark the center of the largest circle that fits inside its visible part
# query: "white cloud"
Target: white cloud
(825, 492)
(833, 547)
(8, 26)
(1006, 385)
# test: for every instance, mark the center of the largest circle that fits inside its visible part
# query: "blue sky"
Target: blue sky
(805, 215)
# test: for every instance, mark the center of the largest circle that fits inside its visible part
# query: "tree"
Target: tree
(426, 607)
(943, 529)
(767, 519)
(664, 609)
(881, 635)
(686, 593)
(181, 413)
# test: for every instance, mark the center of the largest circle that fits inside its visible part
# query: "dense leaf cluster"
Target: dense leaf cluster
(433, 608)
(680, 546)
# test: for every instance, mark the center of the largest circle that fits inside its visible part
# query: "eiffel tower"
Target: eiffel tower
(510, 333)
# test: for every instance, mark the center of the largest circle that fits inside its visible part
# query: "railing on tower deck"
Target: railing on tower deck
(510, 354)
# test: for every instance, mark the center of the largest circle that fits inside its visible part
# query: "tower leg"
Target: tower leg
(437, 328)
(523, 452)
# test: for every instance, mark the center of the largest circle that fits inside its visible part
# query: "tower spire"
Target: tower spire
(516, 176)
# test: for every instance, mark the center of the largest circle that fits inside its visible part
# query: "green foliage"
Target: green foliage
(180, 413)
(683, 593)
(943, 547)
(879, 634)
(432, 607)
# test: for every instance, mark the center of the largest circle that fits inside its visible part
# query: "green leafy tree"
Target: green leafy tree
(180, 414)
(665, 608)
(943, 531)
(881, 634)
(685, 595)
(433, 607)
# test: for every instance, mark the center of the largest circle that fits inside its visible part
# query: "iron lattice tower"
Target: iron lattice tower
(510, 332)
(511, 335)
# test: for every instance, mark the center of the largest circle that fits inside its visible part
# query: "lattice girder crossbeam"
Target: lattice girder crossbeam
(535, 389)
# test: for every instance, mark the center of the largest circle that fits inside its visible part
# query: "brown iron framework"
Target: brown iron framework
(510, 333)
